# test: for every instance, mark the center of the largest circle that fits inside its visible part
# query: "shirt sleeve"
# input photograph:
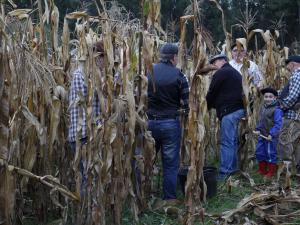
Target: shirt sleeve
(257, 75)
(277, 123)
(77, 86)
(294, 92)
(184, 92)
(96, 105)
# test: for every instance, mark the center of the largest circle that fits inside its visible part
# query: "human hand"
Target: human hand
(269, 138)
(257, 132)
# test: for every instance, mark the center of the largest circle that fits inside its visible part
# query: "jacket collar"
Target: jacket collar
(226, 65)
(274, 103)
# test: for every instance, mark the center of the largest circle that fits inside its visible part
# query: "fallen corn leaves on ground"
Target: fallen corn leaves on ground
(237, 200)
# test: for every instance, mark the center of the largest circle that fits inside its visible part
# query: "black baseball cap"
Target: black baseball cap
(293, 58)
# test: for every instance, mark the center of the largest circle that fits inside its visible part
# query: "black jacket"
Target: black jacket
(225, 91)
(171, 88)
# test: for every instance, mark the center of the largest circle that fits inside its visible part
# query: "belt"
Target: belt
(162, 117)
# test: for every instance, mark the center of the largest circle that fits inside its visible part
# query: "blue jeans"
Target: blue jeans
(167, 135)
(229, 143)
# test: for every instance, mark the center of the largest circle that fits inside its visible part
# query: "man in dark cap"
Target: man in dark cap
(289, 100)
(168, 93)
(225, 95)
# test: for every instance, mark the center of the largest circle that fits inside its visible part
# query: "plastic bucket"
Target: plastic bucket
(210, 178)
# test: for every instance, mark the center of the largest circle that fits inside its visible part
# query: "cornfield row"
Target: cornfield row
(36, 166)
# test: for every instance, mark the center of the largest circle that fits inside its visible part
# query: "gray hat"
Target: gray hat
(293, 58)
(168, 50)
(219, 56)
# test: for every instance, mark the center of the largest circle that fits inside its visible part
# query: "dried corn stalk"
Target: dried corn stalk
(7, 184)
(182, 54)
(271, 206)
(38, 119)
(227, 43)
(196, 133)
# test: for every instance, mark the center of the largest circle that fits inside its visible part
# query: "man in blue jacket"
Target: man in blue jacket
(225, 95)
(168, 93)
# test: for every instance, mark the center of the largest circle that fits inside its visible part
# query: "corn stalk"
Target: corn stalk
(196, 133)
(7, 185)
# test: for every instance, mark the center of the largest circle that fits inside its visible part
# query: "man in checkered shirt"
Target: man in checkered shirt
(289, 100)
(78, 97)
(78, 93)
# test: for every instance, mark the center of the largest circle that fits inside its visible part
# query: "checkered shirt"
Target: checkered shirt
(79, 88)
(291, 99)
(184, 90)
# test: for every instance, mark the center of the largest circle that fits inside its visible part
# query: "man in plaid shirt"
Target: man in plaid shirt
(78, 97)
(78, 93)
(289, 100)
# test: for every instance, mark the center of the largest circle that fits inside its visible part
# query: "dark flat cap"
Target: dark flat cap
(269, 90)
(220, 56)
(293, 58)
(168, 50)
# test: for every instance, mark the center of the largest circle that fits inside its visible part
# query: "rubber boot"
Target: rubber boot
(272, 170)
(263, 167)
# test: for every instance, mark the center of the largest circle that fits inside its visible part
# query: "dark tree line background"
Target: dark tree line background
(283, 15)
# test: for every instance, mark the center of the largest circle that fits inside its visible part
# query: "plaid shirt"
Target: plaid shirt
(79, 88)
(291, 99)
(185, 90)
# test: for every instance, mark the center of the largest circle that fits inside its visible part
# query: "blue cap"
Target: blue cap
(293, 58)
(168, 50)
